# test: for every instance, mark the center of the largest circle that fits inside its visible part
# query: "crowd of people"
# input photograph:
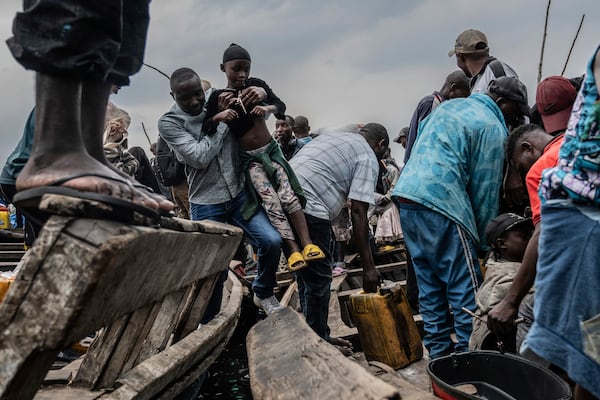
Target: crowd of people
(485, 177)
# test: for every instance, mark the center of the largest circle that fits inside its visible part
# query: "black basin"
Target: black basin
(496, 376)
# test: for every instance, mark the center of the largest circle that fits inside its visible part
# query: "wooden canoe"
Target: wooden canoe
(145, 286)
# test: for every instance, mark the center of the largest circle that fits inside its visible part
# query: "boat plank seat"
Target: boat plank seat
(287, 360)
(141, 284)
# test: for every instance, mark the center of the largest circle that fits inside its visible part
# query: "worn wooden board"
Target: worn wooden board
(82, 274)
(287, 360)
(67, 393)
(408, 390)
(148, 379)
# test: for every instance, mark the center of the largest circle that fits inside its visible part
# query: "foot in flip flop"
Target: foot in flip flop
(312, 252)
(296, 261)
(80, 176)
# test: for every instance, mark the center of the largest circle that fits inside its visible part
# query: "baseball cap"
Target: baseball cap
(403, 133)
(512, 89)
(503, 223)
(470, 41)
(555, 96)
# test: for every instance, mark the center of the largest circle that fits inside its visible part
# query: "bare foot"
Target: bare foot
(163, 203)
(44, 171)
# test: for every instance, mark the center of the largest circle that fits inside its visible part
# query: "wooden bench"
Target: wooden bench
(147, 287)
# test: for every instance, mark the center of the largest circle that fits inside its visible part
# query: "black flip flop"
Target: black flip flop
(121, 210)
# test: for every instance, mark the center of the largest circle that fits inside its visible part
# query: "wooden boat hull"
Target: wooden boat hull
(146, 286)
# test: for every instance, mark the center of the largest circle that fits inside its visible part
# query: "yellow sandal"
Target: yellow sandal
(312, 252)
(296, 261)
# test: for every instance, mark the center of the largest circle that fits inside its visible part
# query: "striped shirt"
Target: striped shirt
(334, 167)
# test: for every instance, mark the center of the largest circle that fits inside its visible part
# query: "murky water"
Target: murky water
(228, 375)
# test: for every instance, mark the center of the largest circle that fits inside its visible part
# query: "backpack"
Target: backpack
(168, 170)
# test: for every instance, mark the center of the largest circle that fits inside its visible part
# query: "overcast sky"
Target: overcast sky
(334, 61)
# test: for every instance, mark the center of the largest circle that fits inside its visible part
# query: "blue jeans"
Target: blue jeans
(261, 235)
(447, 270)
(314, 281)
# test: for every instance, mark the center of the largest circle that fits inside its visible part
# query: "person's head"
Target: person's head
(554, 97)
(471, 49)
(377, 137)
(510, 94)
(456, 85)
(205, 84)
(402, 136)
(186, 90)
(508, 235)
(301, 126)
(236, 65)
(283, 129)
(525, 145)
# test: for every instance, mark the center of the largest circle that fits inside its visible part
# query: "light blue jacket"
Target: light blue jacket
(456, 164)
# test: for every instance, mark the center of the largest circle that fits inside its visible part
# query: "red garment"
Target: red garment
(548, 159)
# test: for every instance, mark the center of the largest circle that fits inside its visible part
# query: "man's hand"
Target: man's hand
(501, 318)
(225, 100)
(252, 95)
(371, 279)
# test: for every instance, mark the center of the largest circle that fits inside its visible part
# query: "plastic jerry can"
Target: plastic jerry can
(6, 279)
(4, 218)
(386, 327)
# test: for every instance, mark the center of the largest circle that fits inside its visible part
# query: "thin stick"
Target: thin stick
(539, 77)
(157, 70)
(572, 45)
(472, 314)
(146, 133)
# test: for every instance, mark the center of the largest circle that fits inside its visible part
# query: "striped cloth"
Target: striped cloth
(333, 167)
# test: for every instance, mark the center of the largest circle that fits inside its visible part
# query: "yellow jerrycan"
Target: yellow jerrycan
(386, 327)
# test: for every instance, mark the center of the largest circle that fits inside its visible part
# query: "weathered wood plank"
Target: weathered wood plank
(12, 246)
(151, 377)
(303, 366)
(82, 274)
(63, 375)
(337, 326)
(289, 293)
(163, 326)
(381, 268)
(407, 390)
(11, 255)
(198, 306)
(139, 323)
(100, 352)
(67, 393)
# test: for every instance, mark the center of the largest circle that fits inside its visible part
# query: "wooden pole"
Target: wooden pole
(572, 45)
(539, 77)
(157, 70)
(146, 133)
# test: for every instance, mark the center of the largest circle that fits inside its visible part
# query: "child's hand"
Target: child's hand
(261, 111)
(225, 116)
